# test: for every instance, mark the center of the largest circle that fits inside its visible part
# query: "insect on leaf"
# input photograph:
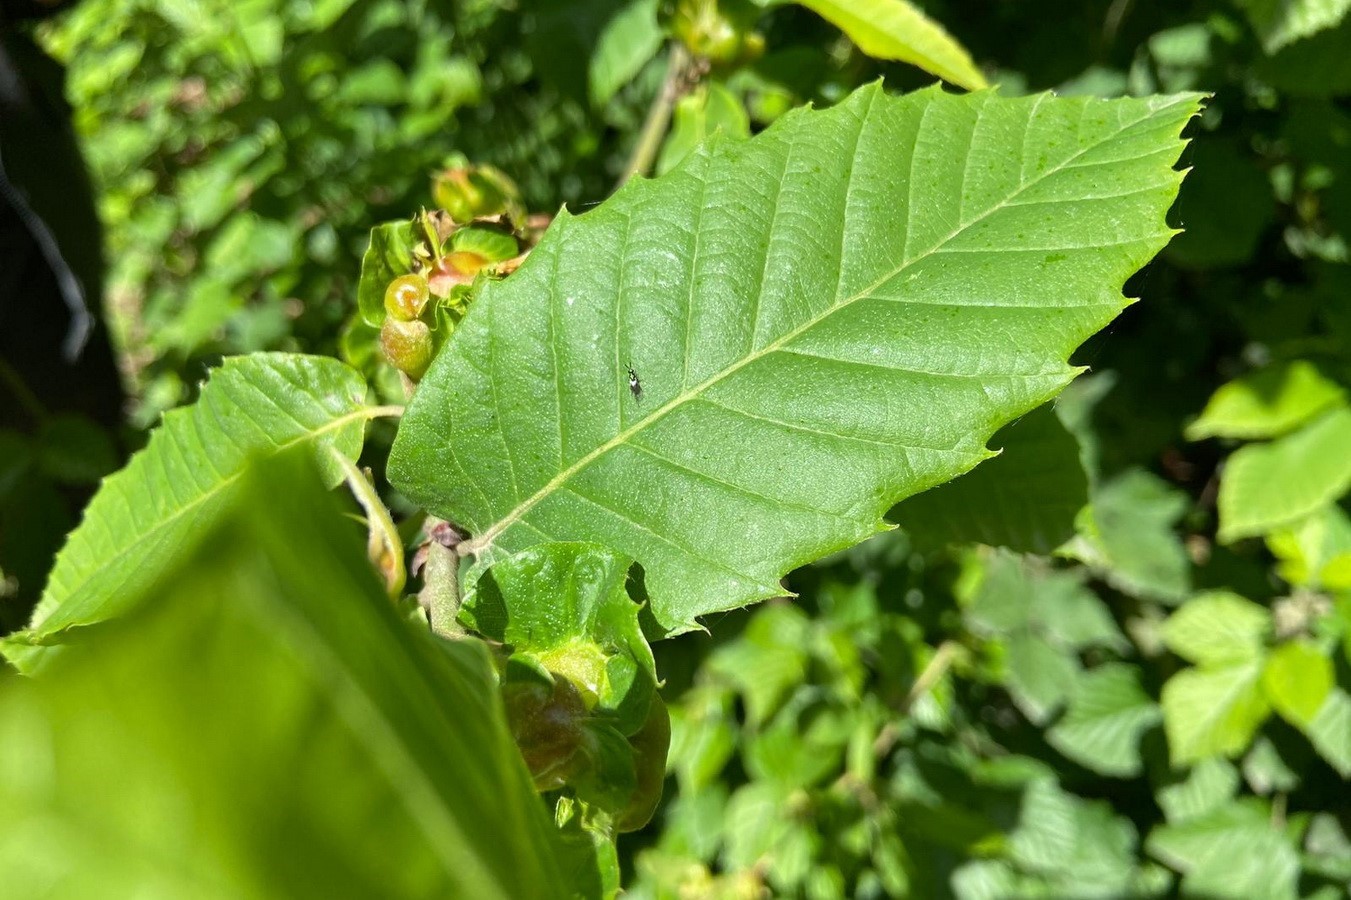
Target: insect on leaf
(827, 318)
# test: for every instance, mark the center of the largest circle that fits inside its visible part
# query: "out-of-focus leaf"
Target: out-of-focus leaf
(1127, 535)
(1266, 771)
(261, 724)
(820, 237)
(1108, 711)
(1315, 552)
(74, 450)
(1040, 676)
(703, 739)
(628, 41)
(1330, 731)
(1297, 679)
(1266, 403)
(767, 661)
(754, 824)
(1218, 628)
(252, 406)
(1232, 853)
(897, 29)
(1282, 22)
(708, 109)
(1213, 711)
(1266, 486)
(1209, 785)
(1025, 499)
(1327, 847)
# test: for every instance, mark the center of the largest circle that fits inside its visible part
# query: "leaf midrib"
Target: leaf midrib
(368, 412)
(483, 543)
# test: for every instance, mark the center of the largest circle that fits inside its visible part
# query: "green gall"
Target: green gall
(406, 297)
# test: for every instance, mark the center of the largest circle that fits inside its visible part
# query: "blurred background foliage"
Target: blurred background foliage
(1126, 677)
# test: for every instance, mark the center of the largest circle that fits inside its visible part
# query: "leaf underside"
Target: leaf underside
(253, 406)
(823, 320)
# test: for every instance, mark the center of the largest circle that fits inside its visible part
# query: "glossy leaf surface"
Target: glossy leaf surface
(820, 321)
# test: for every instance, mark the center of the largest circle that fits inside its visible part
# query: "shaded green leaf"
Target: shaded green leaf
(818, 314)
(1282, 22)
(251, 407)
(1039, 676)
(709, 109)
(1265, 486)
(1108, 711)
(1266, 403)
(1218, 627)
(1013, 594)
(1128, 535)
(1025, 499)
(627, 42)
(1224, 209)
(262, 723)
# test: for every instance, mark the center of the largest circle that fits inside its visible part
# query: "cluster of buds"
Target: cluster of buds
(720, 33)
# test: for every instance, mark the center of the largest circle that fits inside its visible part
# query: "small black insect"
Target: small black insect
(635, 386)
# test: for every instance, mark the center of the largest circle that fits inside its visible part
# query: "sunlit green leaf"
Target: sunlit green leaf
(1212, 711)
(864, 295)
(897, 29)
(388, 256)
(1297, 680)
(708, 109)
(1210, 784)
(1265, 486)
(1218, 627)
(251, 407)
(1266, 403)
(767, 661)
(566, 606)
(1315, 552)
